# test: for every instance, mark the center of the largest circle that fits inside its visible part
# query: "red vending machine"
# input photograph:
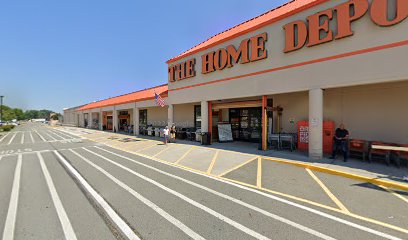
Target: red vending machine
(303, 136)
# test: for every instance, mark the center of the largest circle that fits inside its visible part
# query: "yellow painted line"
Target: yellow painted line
(284, 195)
(154, 144)
(214, 159)
(281, 194)
(370, 220)
(328, 192)
(236, 167)
(184, 155)
(259, 173)
(394, 193)
(163, 150)
(376, 181)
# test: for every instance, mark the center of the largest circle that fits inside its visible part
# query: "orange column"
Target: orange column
(264, 123)
(210, 120)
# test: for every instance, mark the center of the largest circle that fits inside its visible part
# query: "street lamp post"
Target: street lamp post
(1, 108)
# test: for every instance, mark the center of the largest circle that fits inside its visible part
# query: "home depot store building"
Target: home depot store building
(316, 60)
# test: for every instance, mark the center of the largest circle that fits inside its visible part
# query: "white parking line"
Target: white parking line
(268, 214)
(1, 139)
(273, 197)
(22, 138)
(42, 138)
(146, 201)
(114, 217)
(32, 138)
(191, 201)
(8, 233)
(12, 138)
(63, 134)
(62, 215)
(52, 138)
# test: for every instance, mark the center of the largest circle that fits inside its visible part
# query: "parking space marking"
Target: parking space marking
(56, 134)
(244, 204)
(394, 193)
(62, 215)
(144, 200)
(113, 216)
(214, 159)
(8, 233)
(188, 200)
(12, 138)
(328, 192)
(63, 134)
(163, 150)
(259, 173)
(42, 138)
(52, 138)
(145, 148)
(254, 189)
(185, 155)
(1, 139)
(238, 166)
(22, 138)
(32, 138)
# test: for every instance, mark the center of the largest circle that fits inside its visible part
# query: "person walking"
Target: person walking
(340, 141)
(166, 134)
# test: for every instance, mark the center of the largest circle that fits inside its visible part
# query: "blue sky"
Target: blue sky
(56, 54)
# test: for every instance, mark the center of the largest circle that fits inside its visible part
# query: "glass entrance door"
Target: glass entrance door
(246, 123)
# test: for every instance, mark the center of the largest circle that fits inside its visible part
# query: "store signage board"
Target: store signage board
(225, 133)
(316, 29)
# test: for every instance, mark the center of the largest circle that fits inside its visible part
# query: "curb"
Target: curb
(376, 181)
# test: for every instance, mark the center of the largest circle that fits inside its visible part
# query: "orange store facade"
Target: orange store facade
(318, 61)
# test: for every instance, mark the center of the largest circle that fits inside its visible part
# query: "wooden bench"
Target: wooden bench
(385, 149)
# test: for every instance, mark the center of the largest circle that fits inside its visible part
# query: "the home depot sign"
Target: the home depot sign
(317, 29)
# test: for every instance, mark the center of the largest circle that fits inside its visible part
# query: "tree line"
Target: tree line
(17, 113)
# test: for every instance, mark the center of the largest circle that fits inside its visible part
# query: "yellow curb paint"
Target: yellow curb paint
(394, 193)
(281, 194)
(328, 192)
(184, 155)
(400, 186)
(259, 173)
(214, 159)
(236, 167)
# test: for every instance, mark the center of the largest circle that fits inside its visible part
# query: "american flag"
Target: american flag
(159, 100)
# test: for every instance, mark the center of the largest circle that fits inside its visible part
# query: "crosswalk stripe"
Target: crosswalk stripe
(8, 233)
(1, 139)
(42, 138)
(32, 138)
(52, 138)
(288, 202)
(114, 217)
(12, 138)
(189, 200)
(62, 215)
(242, 203)
(64, 134)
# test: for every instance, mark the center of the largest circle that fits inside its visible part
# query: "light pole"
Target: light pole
(1, 108)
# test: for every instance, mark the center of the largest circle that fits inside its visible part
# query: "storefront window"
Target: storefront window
(197, 117)
(143, 118)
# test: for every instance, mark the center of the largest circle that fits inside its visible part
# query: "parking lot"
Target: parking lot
(87, 184)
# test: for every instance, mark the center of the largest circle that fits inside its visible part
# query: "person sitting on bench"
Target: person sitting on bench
(340, 140)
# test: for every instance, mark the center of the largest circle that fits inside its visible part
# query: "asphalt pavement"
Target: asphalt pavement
(57, 184)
